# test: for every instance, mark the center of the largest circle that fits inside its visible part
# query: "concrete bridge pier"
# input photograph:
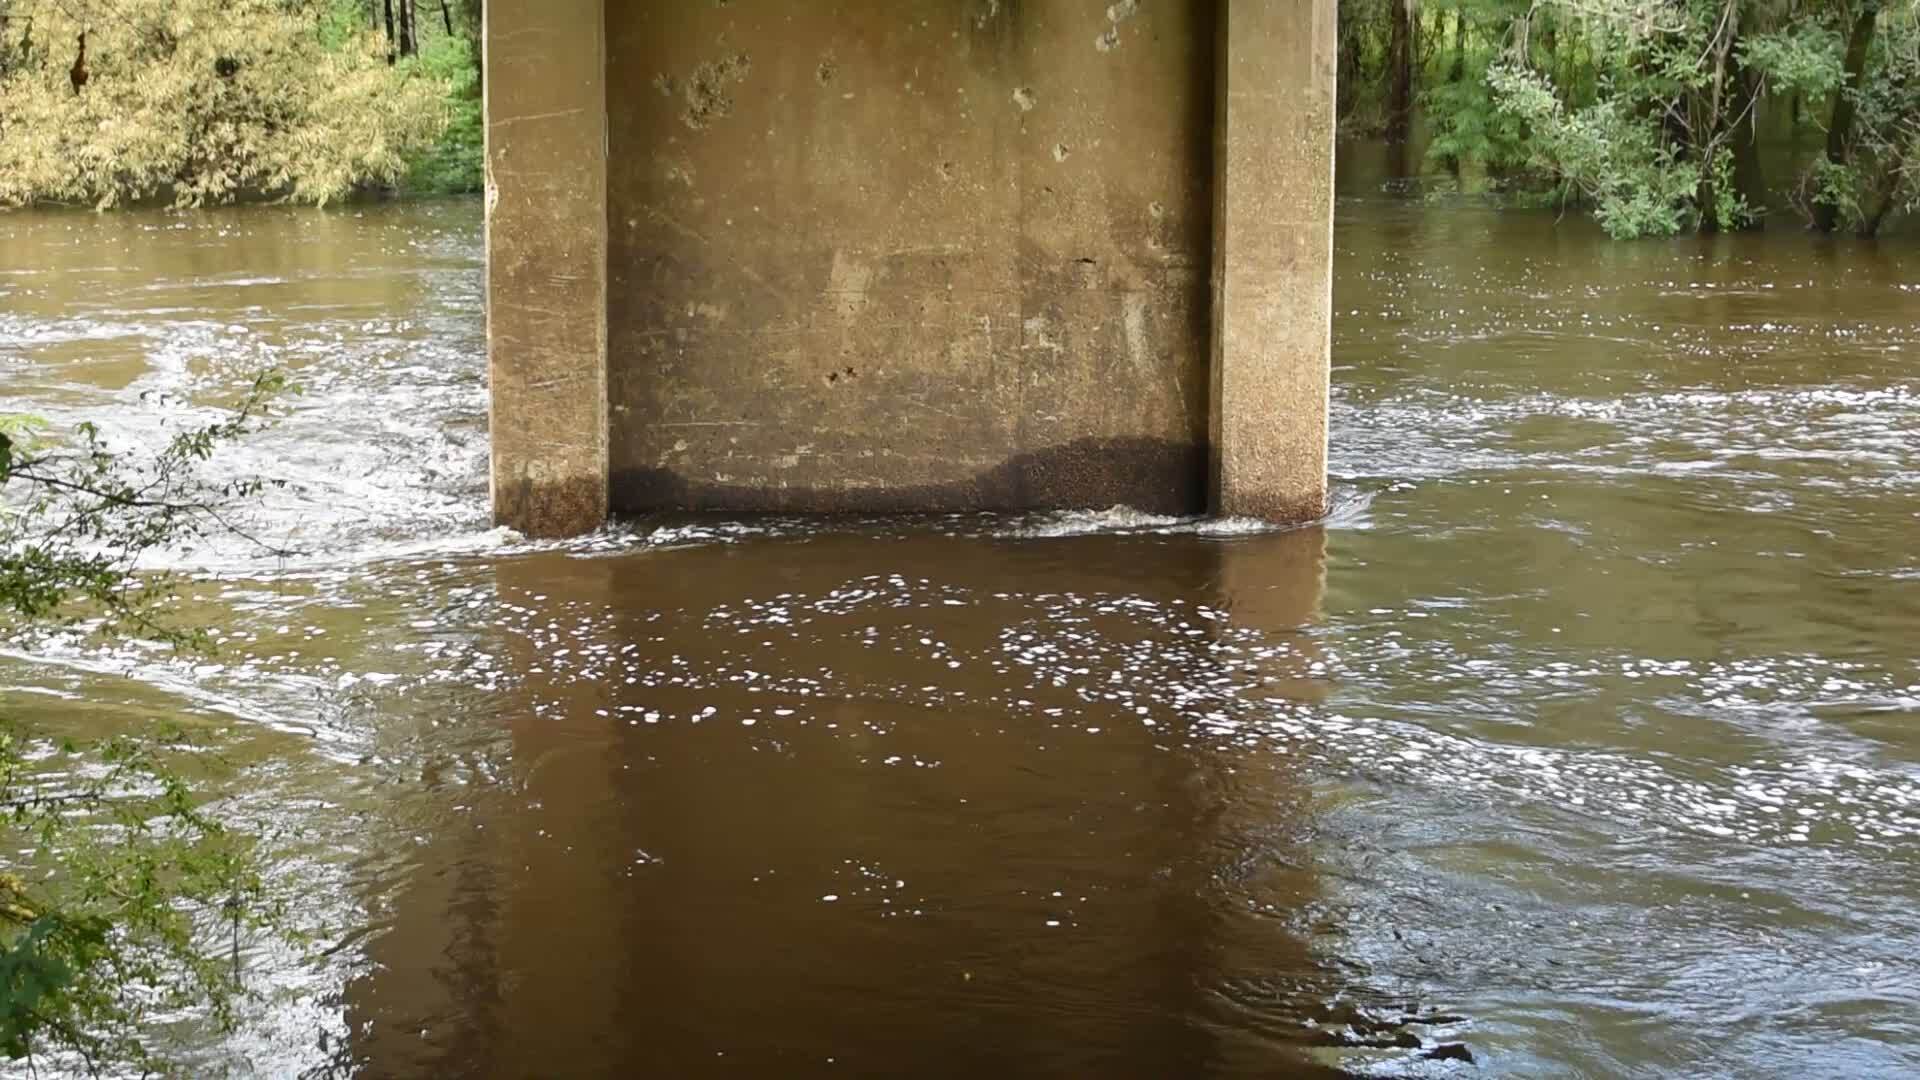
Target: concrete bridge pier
(908, 255)
(546, 198)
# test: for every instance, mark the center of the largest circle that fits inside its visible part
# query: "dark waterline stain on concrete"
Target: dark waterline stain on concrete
(1152, 475)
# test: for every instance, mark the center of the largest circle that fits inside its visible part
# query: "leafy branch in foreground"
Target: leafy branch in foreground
(117, 912)
(84, 516)
(122, 899)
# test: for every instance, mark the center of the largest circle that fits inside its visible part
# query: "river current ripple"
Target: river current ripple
(1583, 739)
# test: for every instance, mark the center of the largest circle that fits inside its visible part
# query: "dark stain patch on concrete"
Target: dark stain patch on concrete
(550, 509)
(1152, 475)
(708, 96)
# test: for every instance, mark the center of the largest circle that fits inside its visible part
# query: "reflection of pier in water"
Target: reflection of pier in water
(1024, 873)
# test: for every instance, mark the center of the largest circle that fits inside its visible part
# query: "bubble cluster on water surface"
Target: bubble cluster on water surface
(855, 880)
(1860, 436)
(1347, 509)
(1056, 665)
(1066, 665)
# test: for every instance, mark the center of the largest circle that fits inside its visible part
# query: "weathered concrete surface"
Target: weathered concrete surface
(909, 254)
(1272, 258)
(546, 263)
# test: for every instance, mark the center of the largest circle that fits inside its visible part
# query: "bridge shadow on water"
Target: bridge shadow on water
(879, 799)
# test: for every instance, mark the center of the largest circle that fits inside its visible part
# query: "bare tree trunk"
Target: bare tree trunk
(1840, 130)
(446, 16)
(1400, 72)
(1459, 47)
(1748, 175)
(1729, 116)
(1457, 72)
(474, 12)
(1883, 206)
(1350, 73)
(409, 43)
(1749, 180)
(392, 40)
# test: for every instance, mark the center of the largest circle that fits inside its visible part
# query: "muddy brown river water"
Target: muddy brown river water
(1583, 739)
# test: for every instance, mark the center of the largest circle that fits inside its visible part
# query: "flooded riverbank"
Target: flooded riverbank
(1582, 740)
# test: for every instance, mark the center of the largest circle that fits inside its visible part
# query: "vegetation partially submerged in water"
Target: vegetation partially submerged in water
(1650, 112)
(122, 897)
(205, 101)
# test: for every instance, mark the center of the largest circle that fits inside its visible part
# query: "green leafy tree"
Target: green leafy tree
(202, 101)
(1871, 165)
(1667, 143)
(1608, 153)
(454, 164)
(1649, 112)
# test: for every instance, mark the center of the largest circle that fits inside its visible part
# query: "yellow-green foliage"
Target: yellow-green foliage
(201, 101)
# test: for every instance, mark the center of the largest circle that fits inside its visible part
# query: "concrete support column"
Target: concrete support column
(546, 113)
(1272, 258)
